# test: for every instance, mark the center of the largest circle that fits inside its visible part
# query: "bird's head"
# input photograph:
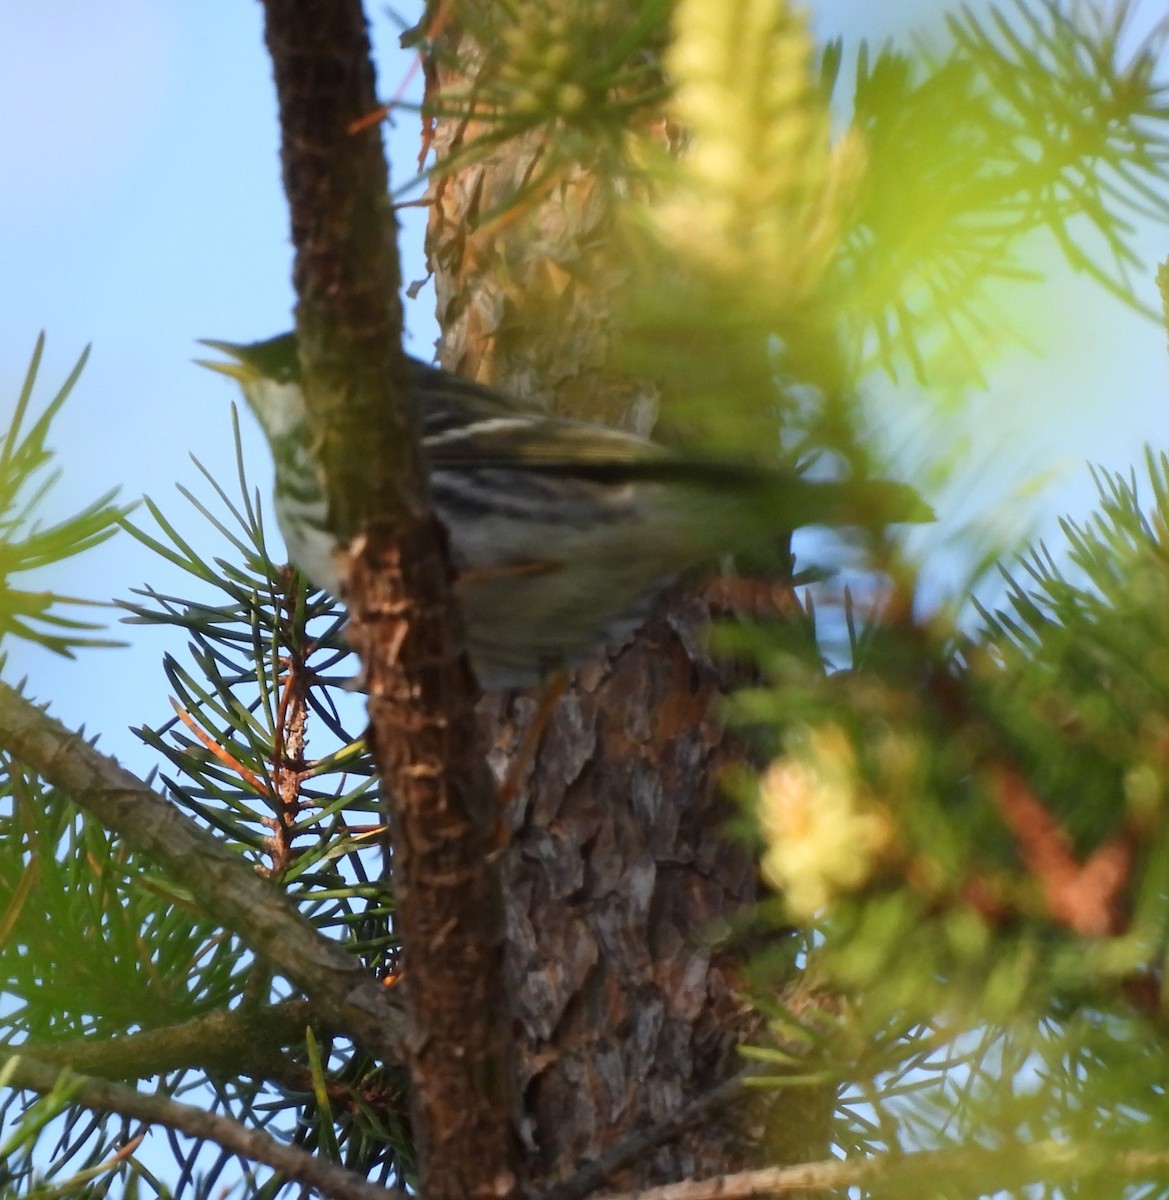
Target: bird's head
(269, 376)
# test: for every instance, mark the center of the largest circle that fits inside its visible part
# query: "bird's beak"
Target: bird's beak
(237, 369)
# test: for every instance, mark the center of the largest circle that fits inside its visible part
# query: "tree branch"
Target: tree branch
(403, 620)
(222, 883)
(630, 1149)
(239, 1041)
(102, 1096)
(983, 1171)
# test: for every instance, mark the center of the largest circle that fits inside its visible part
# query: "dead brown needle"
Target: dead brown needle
(218, 751)
(383, 110)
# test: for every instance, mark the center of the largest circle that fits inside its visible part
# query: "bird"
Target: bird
(561, 531)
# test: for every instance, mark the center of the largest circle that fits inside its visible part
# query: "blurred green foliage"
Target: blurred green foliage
(26, 544)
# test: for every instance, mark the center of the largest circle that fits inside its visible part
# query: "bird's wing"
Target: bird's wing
(449, 401)
(526, 439)
(468, 425)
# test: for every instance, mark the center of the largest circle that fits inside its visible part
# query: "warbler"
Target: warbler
(561, 531)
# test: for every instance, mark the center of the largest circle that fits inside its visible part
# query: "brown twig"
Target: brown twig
(747, 597)
(433, 28)
(288, 766)
(1085, 898)
(979, 1171)
(99, 1095)
(630, 1149)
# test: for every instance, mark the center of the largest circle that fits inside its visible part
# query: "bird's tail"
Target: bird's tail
(861, 503)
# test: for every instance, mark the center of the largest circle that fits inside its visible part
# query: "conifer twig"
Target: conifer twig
(630, 1149)
(223, 884)
(100, 1095)
(985, 1170)
(239, 1041)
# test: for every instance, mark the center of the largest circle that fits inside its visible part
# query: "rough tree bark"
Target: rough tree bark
(620, 873)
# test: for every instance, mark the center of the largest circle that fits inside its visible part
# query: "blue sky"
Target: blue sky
(141, 209)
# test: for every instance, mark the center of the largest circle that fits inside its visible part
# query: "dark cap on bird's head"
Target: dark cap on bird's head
(268, 374)
(275, 359)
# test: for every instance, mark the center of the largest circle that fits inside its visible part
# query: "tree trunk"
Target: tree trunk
(620, 878)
